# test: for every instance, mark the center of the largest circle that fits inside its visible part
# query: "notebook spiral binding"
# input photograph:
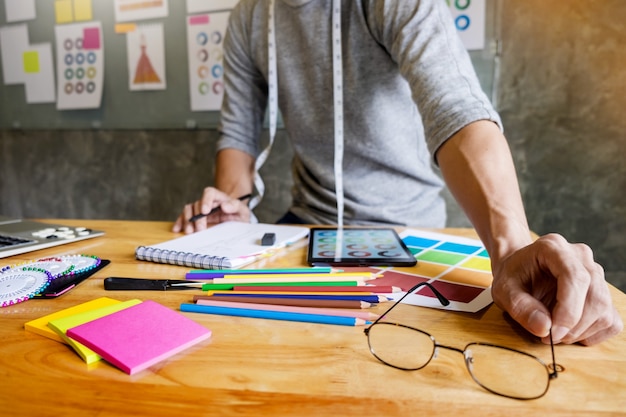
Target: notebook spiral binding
(190, 260)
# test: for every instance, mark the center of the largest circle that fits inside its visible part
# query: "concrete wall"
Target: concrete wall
(561, 92)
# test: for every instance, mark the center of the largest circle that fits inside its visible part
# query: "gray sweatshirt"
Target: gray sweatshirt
(408, 86)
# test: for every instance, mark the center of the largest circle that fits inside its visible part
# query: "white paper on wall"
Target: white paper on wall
(198, 6)
(13, 42)
(205, 37)
(39, 74)
(146, 57)
(19, 10)
(132, 10)
(80, 65)
(470, 18)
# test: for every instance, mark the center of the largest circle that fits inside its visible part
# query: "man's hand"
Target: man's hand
(552, 283)
(228, 208)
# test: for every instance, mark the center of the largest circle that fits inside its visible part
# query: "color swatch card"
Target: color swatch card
(80, 65)
(62, 325)
(457, 267)
(140, 336)
(40, 325)
(205, 37)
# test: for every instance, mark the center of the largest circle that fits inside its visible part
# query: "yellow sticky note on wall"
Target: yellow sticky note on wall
(31, 62)
(82, 10)
(63, 11)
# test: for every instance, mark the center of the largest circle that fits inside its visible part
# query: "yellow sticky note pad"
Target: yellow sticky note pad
(82, 10)
(63, 11)
(125, 27)
(60, 326)
(31, 62)
(40, 325)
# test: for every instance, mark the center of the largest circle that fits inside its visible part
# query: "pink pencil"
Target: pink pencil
(306, 310)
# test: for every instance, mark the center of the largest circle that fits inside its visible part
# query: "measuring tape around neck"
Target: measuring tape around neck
(337, 105)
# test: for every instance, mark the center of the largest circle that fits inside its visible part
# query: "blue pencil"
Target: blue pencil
(367, 298)
(273, 315)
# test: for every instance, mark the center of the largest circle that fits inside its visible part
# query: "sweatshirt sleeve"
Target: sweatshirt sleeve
(245, 88)
(421, 37)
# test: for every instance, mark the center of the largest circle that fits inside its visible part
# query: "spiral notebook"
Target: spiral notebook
(228, 245)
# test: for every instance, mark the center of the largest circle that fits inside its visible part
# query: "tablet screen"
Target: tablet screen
(358, 247)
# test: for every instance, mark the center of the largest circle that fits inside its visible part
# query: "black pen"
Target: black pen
(201, 215)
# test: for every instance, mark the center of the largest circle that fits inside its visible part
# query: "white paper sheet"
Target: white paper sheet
(205, 37)
(80, 65)
(469, 18)
(198, 6)
(13, 42)
(20, 10)
(39, 75)
(146, 57)
(131, 10)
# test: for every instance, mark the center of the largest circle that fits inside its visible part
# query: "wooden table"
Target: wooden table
(253, 367)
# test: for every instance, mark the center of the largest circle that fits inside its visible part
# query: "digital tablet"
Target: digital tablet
(358, 247)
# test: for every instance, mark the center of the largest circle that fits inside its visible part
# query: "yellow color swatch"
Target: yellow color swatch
(31, 62)
(63, 11)
(481, 264)
(82, 10)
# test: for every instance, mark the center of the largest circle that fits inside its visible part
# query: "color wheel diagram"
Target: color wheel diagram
(457, 267)
(205, 36)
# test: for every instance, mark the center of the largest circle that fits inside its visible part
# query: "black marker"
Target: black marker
(201, 215)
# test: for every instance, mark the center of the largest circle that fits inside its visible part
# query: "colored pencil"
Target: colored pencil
(300, 302)
(331, 276)
(368, 298)
(365, 315)
(212, 273)
(370, 289)
(273, 315)
(230, 286)
(271, 293)
(277, 280)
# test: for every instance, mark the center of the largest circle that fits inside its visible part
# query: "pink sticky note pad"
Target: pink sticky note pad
(140, 336)
(199, 20)
(91, 38)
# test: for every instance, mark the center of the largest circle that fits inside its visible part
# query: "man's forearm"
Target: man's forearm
(234, 172)
(477, 166)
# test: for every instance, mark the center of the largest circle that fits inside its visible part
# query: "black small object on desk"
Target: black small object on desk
(268, 239)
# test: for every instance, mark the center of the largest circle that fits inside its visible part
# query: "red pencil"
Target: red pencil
(372, 289)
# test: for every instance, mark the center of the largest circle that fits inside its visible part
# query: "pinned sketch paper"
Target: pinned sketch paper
(80, 65)
(19, 10)
(39, 74)
(205, 37)
(146, 57)
(198, 6)
(13, 43)
(457, 267)
(131, 10)
(469, 19)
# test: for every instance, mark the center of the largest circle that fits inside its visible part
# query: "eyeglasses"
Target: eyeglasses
(501, 370)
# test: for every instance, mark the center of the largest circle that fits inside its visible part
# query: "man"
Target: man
(409, 97)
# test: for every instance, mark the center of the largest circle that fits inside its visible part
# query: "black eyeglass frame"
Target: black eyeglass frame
(553, 369)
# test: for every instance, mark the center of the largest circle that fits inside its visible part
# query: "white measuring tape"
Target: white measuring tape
(337, 105)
